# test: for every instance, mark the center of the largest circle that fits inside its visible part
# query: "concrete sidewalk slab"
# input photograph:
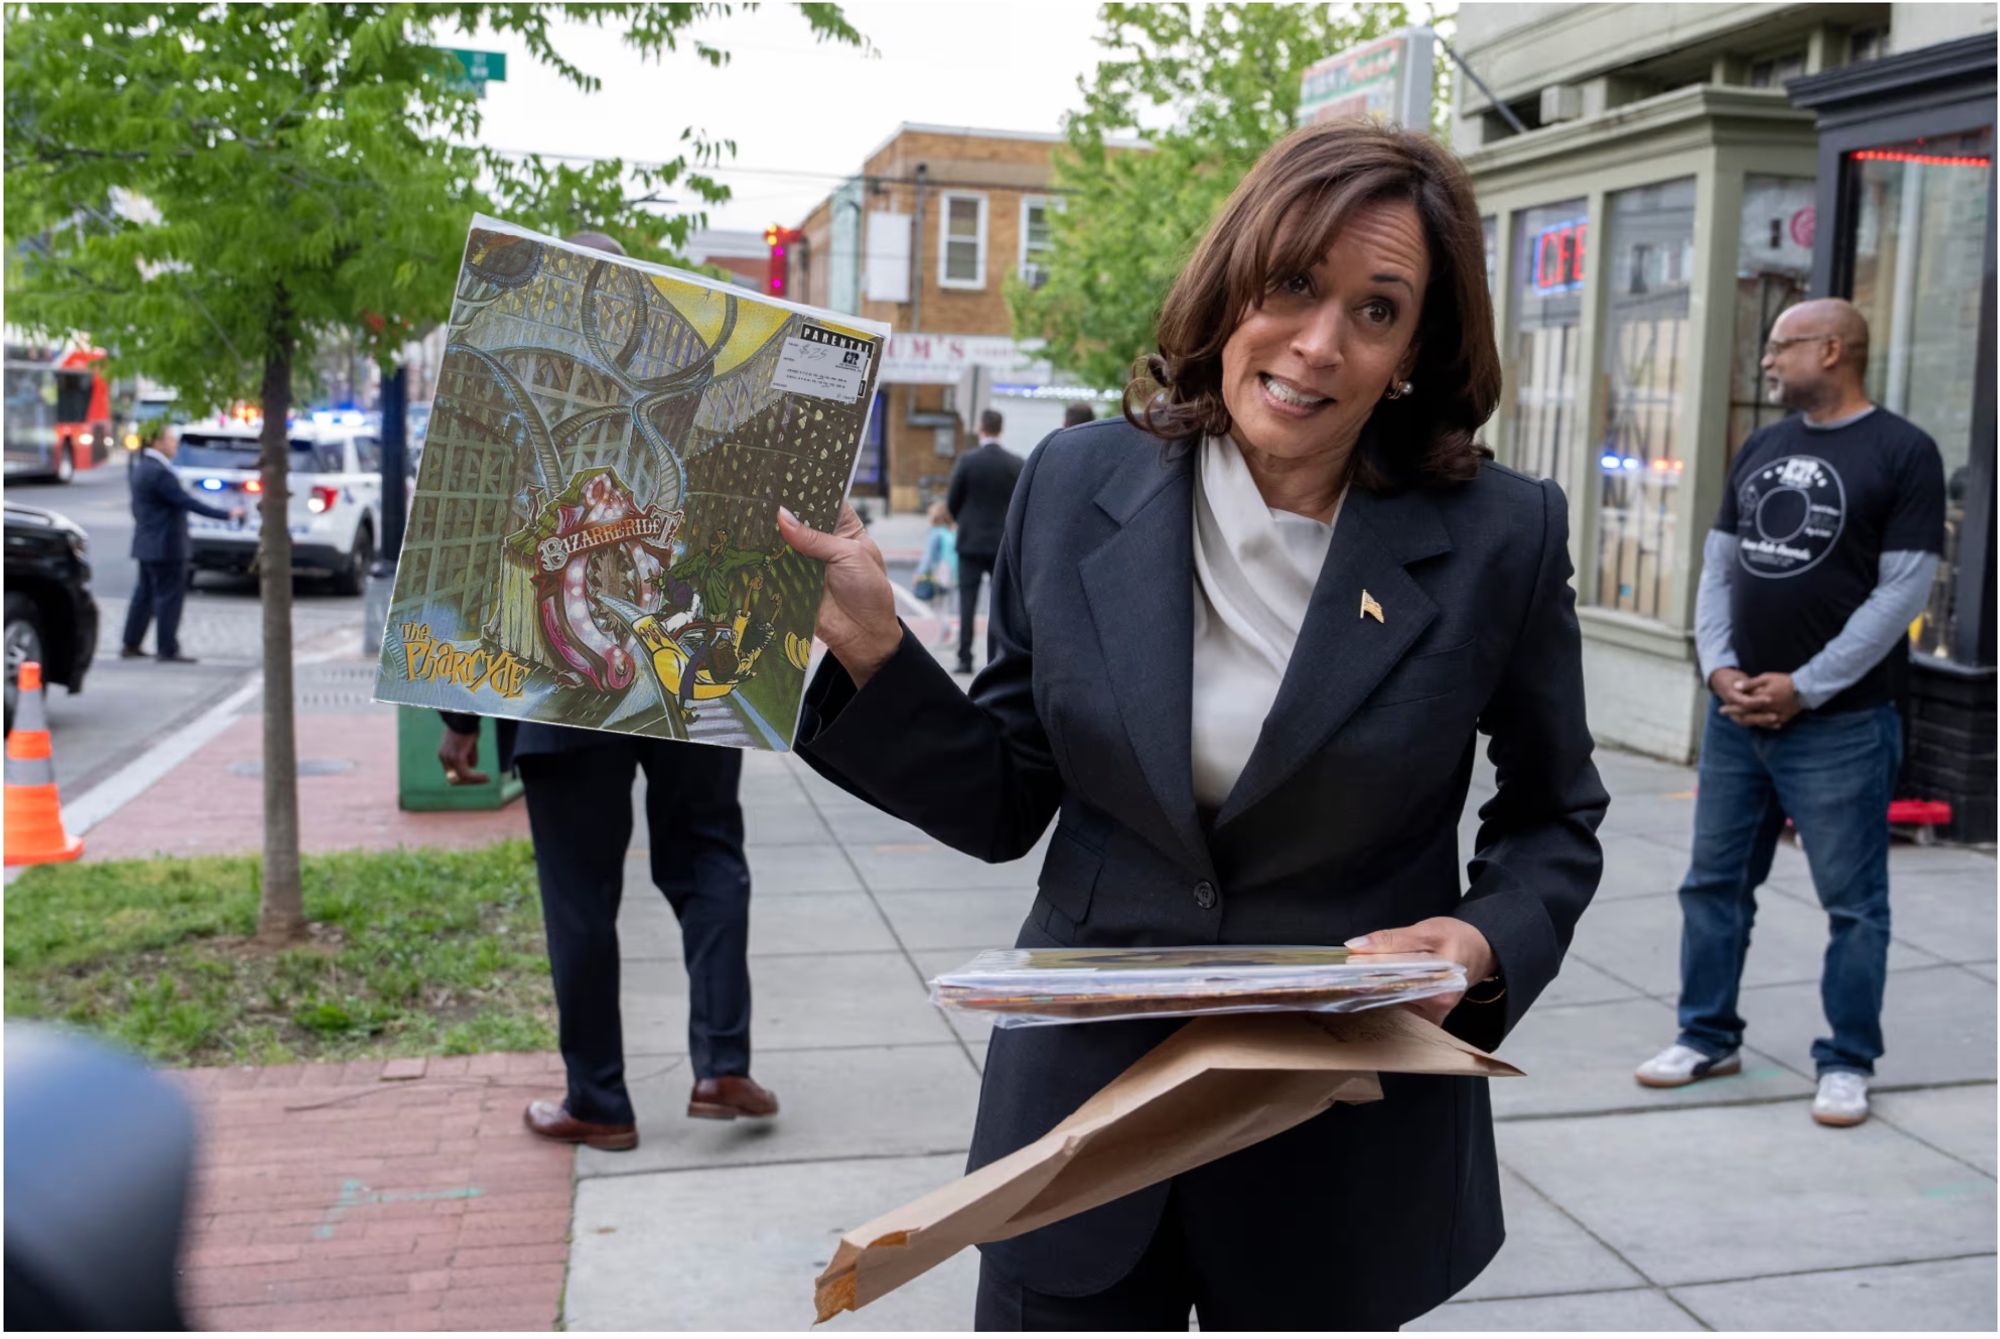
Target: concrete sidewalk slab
(1632, 1310)
(1547, 1252)
(800, 1003)
(1581, 983)
(802, 867)
(923, 865)
(1580, 1059)
(1636, 865)
(1723, 1193)
(1638, 940)
(738, 1248)
(1937, 1025)
(1948, 913)
(780, 925)
(855, 1102)
(966, 919)
(1929, 1296)
(784, 823)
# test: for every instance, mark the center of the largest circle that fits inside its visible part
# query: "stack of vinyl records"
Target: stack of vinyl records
(1021, 986)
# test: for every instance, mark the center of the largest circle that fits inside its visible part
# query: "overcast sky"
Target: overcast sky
(802, 115)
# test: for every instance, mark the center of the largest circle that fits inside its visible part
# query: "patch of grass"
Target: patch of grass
(412, 952)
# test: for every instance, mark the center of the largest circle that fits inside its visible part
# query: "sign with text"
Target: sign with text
(1390, 78)
(941, 360)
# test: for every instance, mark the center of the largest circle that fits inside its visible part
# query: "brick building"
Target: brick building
(926, 236)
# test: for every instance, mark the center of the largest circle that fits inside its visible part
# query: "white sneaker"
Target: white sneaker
(1679, 1065)
(1842, 1099)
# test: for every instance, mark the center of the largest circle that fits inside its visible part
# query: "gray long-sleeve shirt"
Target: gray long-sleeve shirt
(1902, 587)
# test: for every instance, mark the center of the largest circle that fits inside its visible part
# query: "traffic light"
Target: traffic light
(777, 237)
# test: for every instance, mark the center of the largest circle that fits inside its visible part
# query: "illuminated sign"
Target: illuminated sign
(1557, 255)
(1923, 159)
(776, 237)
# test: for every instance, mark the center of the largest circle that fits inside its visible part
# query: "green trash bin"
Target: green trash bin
(420, 783)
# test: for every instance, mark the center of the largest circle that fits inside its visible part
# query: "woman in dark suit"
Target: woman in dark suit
(1242, 643)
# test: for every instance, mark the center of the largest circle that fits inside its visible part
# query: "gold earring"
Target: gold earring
(1400, 389)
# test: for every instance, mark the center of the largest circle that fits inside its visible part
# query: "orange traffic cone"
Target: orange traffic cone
(35, 834)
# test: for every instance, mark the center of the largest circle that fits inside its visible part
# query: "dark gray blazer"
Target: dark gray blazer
(160, 507)
(1344, 820)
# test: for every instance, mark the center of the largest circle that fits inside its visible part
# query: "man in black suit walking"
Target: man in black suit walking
(160, 508)
(578, 786)
(982, 484)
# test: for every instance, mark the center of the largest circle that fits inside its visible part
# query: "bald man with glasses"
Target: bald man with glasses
(1823, 552)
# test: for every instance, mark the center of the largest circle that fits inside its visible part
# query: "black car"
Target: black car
(51, 616)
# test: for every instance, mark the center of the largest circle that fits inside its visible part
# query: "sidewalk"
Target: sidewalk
(1717, 1206)
(377, 1195)
(1721, 1206)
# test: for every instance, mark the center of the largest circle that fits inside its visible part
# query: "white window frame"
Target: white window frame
(1048, 207)
(945, 240)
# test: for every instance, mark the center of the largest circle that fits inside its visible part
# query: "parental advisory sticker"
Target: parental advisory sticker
(823, 362)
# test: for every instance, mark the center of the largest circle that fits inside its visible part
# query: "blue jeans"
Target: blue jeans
(1834, 775)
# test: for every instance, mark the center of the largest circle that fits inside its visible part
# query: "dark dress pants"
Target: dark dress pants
(972, 571)
(1170, 1281)
(580, 813)
(161, 589)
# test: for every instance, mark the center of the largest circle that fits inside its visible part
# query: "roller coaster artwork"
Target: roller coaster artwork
(592, 540)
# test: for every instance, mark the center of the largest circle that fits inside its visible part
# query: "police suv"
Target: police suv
(335, 511)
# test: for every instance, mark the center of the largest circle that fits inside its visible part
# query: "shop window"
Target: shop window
(1643, 439)
(1919, 250)
(1549, 247)
(962, 241)
(1774, 251)
(1034, 240)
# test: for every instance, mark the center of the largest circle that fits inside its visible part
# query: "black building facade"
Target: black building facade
(1906, 204)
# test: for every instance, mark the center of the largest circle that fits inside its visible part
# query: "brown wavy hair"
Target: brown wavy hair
(1280, 221)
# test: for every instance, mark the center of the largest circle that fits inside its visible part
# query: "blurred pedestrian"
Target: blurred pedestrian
(982, 485)
(1822, 554)
(578, 786)
(160, 508)
(937, 573)
(1077, 414)
(1245, 639)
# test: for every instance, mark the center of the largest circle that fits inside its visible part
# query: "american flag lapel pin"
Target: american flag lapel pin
(1371, 609)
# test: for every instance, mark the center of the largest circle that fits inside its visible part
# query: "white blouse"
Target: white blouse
(1254, 571)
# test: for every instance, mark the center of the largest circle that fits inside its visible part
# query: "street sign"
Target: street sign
(1390, 77)
(476, 69)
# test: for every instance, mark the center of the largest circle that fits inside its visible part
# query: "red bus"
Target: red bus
(58, 412)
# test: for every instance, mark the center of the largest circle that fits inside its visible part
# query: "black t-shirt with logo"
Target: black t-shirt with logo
(1813, 510)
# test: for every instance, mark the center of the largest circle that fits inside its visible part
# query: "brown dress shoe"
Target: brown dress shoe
(731, 1095)
(551, 1120)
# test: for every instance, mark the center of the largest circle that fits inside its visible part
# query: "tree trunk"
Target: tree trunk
(281, 918)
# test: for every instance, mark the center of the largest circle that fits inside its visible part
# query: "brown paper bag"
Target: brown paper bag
(1219, 1084)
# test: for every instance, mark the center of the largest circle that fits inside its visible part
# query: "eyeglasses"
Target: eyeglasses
(1774, 347)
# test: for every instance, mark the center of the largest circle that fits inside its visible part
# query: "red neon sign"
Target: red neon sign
(1926, 159)
(1559, 252)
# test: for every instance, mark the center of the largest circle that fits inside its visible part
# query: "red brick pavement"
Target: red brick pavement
(377, 1195)
(346, 810)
